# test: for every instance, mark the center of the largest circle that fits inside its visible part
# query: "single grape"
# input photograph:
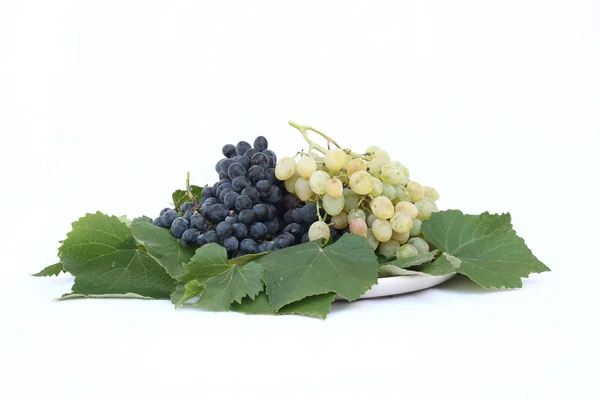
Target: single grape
(159, 222)
(392, 175)
(281, 242)
(266, 247)
(382, 207)
(318, 182)
(382, 230)
(240, 183)
(222, 188)
(297, 215)
(211, 236)
(407, 208)
(211, 201)
(230, 198)
(256, 173)
(416, 228)
(389, 248)
(372, 240)
(377, 188)
(252, 193)
(378, 152)
(295, 229)
(187, 206)
(197, 221)
(270, 153)
(263, 186)
(242, 147)
(261, 143)
(236, 170)
(376, 164)
(229, 151)
(370, 219)
(406, 251)
(359, 227)
(261, 211)
(401, 193)
(415, 190)
(207, 192)
(272, 212)
(401, 222)
(239, 230)
(270, 175)
(355, 165)
(309, 213)
(333, 206)
(231, 244)
(275, 196)
(217, 213)
(218, 165)
(189, 214)
(340, 221)
(247, 217)
(335, 160)
(258, 230)
(285, 168)
(179, 226)
(170, 216)
(400, 237)
(354, 214)
(361, 182)
(425, 208)
(421, 245)
(319, 230)
(232, 219)
(302, 189)
(305, 238)
(248, 246)
(290, 184)
(261, 160)
(223, 230)
(249, 153)
(351, 200)
(335, 188)
(225, 164)
(200, 240)
(272, 227)
(190, 236)
(243, 202)
(244, 162)
(306, 166)
(389, 191)
(290, 202)
(164, 210)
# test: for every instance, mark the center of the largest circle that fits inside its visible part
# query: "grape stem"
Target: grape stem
(303, 129)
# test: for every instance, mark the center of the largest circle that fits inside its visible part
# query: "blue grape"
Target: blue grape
(261, 211)
(305, 238)
(207, 192)
(261, 160)
(275, 196)
(309, 213)
(169, 217)
(225, 164)
(297, 216)
(223, 175)
(295, 229)
(263, 186)
(261, 143)
(247, 217)
(208, 203)
(231, 244)
(188, 215)
(249, 153)
(179, 226)
(258, 230)
(249, 246)
(223, 230)
(266, 246)
(187, 206)
(290, 201)
(242, 147)
(239, 230)
(197, 221)
(232, 219)
(272, 211)
(229, 151)
(164, 210)
(256, 173)
(270, 153)
(159, 222)
(211, 236)
(217, 213)
(281, 242)
(222, 187)
(224, 193)
(270, 175)
(287, 217)
(240, 183)
(236, 170)
(289, 237)
(252, 193)
(190, 236)
(201, 240)
(272, 227)
(218, 165)
(245, 162)
(243, 203)
(270, 162)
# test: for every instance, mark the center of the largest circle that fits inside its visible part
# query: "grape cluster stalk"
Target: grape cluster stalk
(368, 194)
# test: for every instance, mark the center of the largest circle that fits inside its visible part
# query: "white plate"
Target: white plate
(402, 284)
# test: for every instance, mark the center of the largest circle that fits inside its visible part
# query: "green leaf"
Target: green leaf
(446, 264)
(70, 296)
(393, 268)
(483, 247)
(190, 290)
(178, 294)
(348, 267)
(125, 220)
(178, 195)
(170, 252)
(143, 218)
(103, 256)
(313, 306)
(52, 270)
(208, 261)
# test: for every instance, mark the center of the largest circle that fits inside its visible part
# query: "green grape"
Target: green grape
(302, 189)
(402, 193)
(388, 191)
(355, 165)
(421, 245)
(378, 152)
(389, 248)
(354, 214)
(335, 160)
(402, 168)
(306, 166)
(401, 222)
(406, 251)
(370, 219)
(359, 227)
(416, 228)
(318, 230)
(290, 184)
(340, 221)
(361, 182)
(377, 188)
(335, 188)
(382, 207)
(333, 206)
(318, 182)
(400, 237)
(351, 201)
(372, 240)
(426, 208)
(376, 164)
(431, 193)
(285, 168)
(382, 230)
(415, 190)
(407, 208)
(392, 175)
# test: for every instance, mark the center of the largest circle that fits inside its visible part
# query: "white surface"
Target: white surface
(395, 285)
(106, 105)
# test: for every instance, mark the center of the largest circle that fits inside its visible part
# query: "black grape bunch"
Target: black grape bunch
(247, 210)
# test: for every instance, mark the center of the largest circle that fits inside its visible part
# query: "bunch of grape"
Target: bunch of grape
(367, 194)
(243, 211)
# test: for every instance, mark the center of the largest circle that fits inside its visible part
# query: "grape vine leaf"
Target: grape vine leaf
(105, 259)
(348, 267)
(51, 270)
(170, 252)
(69, 296)
(178, 195)
(483, 247)
(398, 267)
(312, 306)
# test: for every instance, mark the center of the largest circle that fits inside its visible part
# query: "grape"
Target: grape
(263, 186)
(392, 175)
(223, 230)
(261, 143)
(302, 189)
(272, 227)
(222, 187)
(318, 182)
(382, 207)
(248, 246)
(218, 165)
(400, 237)
(239, 230)
(297, 216)
(159, 222)
(240, 183)
(421, 245)
(232, 219)
(242, 147)
(197, 221)
(340, 221)
(309, 213)
(231, 244)
(272, 211)
(415, 190)
(296, 230)
(201, 240)
(389, 191)
(382, 230)
(179, 226)
(225, 164)
(354, 214)
(335, 188)
(249, 153)
(244, 162)
(207, 192)
(229, 151)
(361, 182)
(401, 167)
(359, 226)
(319, 230)
(256, 173)
(247, 217)
(333, 206)
(407, 208)
(376, 164)
(261, 160)
(402, 193)
(425, 208)
(355, 165)
(188, 215)
(416, 229)
(261, 211)
(378, 152)
(372, 240)
(335, 160)
(266, 247)
(351, 200)
(406, 251)
(290, 184)
(282, 241)
(258, 230)
(370, 219)
(218, 213)
(270, 175)
(285, 168)
(275, 196)
(306, 166)
(377, 188)
(290, 202)
(270, 153)
(305, 238)
(401, 222)
(230, 198)
(236, 170)
(252, 193)
(170, 216)
(389, 248)
(211, 236)
(190, 236)
(243, 203)
(187, 206)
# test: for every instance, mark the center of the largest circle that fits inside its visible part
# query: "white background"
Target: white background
(104, 105)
